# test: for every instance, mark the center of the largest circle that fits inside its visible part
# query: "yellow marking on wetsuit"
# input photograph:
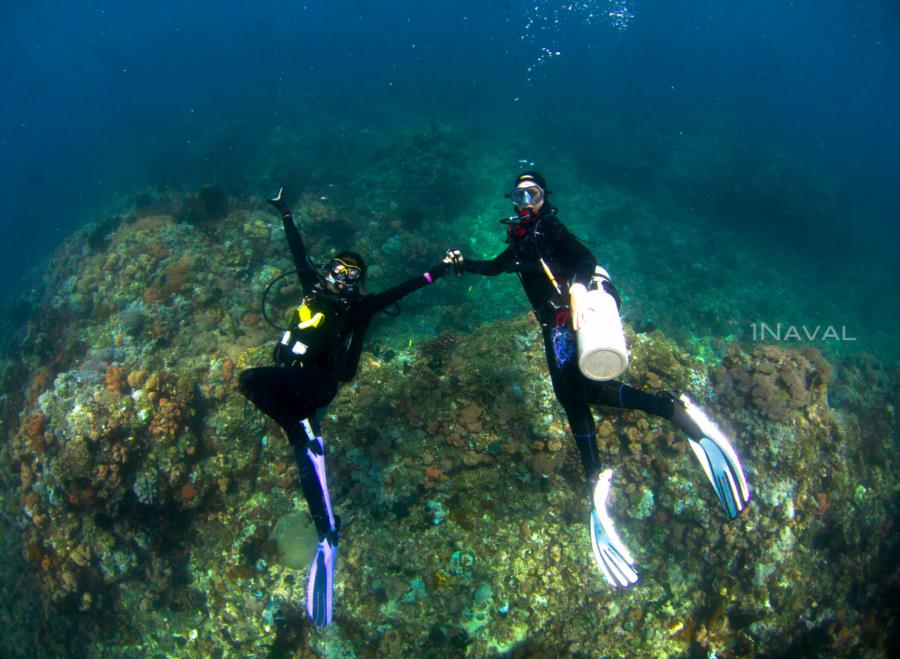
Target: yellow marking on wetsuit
(550, 276)
(307, 319)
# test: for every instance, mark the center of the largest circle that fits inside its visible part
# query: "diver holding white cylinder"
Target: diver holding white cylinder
(586, 351)
(602, 354)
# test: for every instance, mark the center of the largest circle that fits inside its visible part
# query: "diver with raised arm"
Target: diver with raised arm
(320, 350)
(572, 298)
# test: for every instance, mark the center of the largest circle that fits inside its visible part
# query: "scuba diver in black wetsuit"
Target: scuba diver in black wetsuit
(547, 257)
(320, 350)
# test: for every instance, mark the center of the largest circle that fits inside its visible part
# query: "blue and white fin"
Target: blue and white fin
(612, 557)
(719, 460)
(320, 586)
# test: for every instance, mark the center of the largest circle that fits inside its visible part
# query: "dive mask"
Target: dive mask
(529, 196)
(343, 274)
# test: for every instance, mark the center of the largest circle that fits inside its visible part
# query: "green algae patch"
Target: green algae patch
(296, 537)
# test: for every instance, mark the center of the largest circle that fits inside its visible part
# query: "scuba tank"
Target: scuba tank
(602, 353)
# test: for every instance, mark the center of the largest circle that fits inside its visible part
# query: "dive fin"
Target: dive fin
(610, 553)
(320, 586)
(719, 460)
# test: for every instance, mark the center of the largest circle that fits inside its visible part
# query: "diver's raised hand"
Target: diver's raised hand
(279, 203)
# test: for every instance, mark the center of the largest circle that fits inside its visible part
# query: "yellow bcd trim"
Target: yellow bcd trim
(307, 319)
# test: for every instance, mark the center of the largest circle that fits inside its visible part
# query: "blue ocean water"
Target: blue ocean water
(733, 165)
(777, 121)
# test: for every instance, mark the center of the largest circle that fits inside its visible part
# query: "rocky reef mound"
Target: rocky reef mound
(140, 491)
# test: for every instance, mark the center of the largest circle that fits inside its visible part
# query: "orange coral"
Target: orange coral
(177, 275)
(166, 419)
(151, 295)
(469, 417)
(171, 281)
(39, 383)
(35, 429)
(115, 379)
(29, 501)
(227, 369)
(822, 504)
(81, 497)
(778, 382)
(151, 224)
(160, 328)
(108, 476)
(157, 251)
(188, 491)
(433, 476)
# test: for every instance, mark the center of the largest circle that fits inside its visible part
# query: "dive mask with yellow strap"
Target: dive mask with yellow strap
(343, 275)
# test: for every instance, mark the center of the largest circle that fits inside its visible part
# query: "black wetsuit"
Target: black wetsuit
(569, 261)
(302, 384)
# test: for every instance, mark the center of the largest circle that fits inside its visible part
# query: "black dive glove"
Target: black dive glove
(279, 203)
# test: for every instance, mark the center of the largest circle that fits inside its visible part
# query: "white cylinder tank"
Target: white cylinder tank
(602, 353)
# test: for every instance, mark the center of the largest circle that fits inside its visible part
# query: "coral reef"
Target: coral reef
(778, 383)
(141, 494)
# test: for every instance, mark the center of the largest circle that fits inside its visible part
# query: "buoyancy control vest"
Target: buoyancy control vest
(312, 336)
